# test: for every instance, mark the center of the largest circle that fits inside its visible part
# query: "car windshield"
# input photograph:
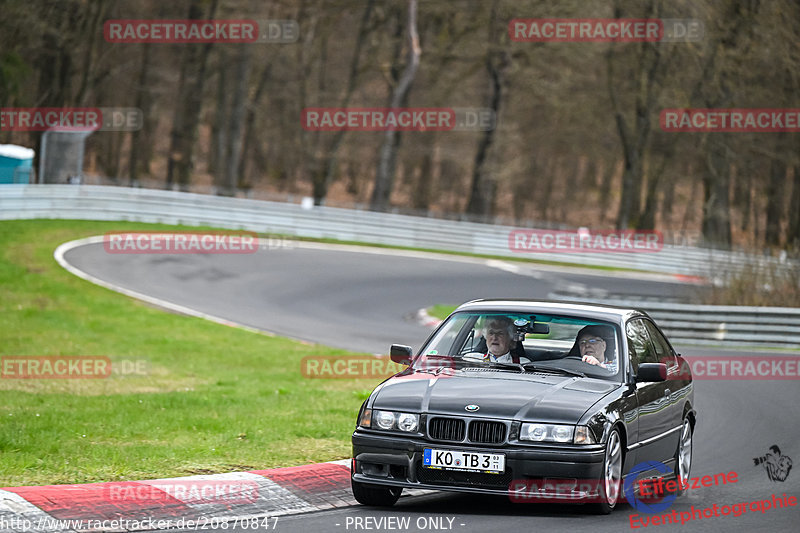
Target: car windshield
(524, 342)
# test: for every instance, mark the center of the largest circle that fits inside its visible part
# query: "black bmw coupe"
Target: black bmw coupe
(538, 401)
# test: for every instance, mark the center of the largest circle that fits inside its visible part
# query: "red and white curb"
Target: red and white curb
(426, 320)
(194, 502)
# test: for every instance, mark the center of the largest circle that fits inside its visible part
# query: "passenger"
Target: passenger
(595, 345)
(500, 347)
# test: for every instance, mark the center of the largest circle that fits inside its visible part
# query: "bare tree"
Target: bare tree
(141, 136)
(715, 89)
(647, 72)
(484, 186)
(384, 179)
(189, 104)
(233, 149)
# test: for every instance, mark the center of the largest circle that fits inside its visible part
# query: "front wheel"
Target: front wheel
(683, 456)
(610, 483)
(375, 495)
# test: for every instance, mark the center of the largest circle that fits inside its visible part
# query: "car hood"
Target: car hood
(504, 395)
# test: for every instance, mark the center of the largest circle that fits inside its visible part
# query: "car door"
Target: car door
(655, 420)
(673, 390)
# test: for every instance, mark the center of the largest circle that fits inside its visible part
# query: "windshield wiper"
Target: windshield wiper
(515, 366)
(435, 371)
(531, 366)
(437, 368)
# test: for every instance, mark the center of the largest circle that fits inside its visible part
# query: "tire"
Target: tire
(683, 455)
(375, 495)
(611, 481)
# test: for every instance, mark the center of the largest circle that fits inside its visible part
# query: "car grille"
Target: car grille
(469, 479)
(487, 432)
(447, 429)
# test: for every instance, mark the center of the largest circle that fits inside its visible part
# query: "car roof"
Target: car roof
(584, 309)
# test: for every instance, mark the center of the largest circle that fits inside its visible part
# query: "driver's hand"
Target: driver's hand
(590, 359)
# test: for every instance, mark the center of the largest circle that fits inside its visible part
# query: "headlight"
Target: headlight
(534, 432)
(407, 422)
(556, 433)
(391, 420)
(384, 419)
(562, 433)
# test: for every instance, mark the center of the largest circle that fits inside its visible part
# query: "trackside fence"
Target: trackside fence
(720, 325)
(97, 202)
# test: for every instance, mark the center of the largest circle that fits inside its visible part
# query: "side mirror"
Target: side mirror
(651, 372)
(401, 354)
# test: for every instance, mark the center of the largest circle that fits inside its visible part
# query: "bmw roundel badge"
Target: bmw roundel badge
(472, 407)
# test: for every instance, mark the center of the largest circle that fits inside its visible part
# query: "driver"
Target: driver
(596, 346)
(499, 332)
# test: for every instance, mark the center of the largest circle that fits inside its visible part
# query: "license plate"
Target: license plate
(492, 463)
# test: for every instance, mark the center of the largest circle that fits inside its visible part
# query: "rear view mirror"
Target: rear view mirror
(539, 328)
(651, 372)
(401, 354)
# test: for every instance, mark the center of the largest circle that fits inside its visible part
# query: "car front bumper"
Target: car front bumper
(393, 460)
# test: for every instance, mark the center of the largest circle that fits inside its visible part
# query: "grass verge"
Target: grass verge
(441, 311)
(212, 399)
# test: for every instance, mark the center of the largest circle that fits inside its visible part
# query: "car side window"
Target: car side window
(663, 352)
(639, 346)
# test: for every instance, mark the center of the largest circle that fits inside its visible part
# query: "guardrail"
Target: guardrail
(95, 202)
(719, 325)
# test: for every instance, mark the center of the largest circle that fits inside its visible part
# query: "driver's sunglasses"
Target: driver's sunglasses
(584, 342)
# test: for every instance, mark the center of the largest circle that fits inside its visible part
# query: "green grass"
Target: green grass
(441, 311)
(213, 398)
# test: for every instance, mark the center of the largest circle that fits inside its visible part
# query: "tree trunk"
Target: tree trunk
(143, 102)
(219, 127)
(96, 12)
(384, 179)
(742, 195)
(189, 104)
(484, 188)
(775, 195)
(716, 203)
(635, 138)
(717, 69)
(421, 190)
(250, 120)
(233, 153)
(793, 237)
(332, 152)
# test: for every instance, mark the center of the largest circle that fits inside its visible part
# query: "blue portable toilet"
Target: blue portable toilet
(15, 163)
